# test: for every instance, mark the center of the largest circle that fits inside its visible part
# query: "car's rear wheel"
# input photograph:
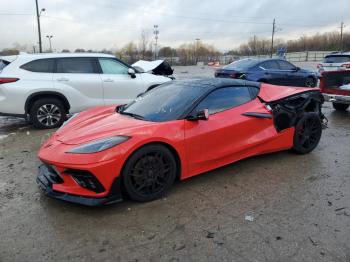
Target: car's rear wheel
(47, 113)
(149, 173)
(307, 133)
(310, 82)
(340, 107)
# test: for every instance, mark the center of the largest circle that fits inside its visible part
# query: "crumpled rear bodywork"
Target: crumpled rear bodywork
(287, 106)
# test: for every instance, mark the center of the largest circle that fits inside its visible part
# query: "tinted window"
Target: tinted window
(241, 64)
(75, 65)
(284, 65)
(225, 98)
(336, 59)
(269, 65)
(165, 102)
(112, 66)
(40, 66)
(3, 63)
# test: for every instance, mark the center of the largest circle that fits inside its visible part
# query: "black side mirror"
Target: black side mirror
(201, 115)
(296, 68)
(132, 72)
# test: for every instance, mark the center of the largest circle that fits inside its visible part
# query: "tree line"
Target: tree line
(198, 51)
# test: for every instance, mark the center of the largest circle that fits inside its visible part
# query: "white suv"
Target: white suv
(335, 62)
(46, 87)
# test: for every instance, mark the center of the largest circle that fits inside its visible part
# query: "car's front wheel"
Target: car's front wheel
(47, 113)
(149, 173)
(310, 82)
(340, 107)
(307, 133)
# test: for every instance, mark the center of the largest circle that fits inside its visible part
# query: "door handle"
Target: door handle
(258, 115)
(62, 79)
(108, 80)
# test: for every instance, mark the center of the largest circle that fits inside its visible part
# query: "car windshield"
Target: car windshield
(164, 103)
(337, 59)
(241, 64)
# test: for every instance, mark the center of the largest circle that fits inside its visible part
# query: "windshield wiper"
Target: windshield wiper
(132, 115)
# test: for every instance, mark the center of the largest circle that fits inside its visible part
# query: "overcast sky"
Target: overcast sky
(97, 24)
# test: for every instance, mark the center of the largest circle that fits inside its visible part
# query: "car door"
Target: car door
(78, 79)
(237, 124)
(294, 77)
(119, 87)
(271, 72)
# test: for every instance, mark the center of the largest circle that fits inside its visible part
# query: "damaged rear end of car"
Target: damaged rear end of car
(298, 108)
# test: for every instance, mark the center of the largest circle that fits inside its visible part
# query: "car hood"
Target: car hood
(158, 67)
(270, 93)
(147, 66)
(96, 124)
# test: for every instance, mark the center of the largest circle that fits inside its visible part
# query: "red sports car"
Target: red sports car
(174, 131)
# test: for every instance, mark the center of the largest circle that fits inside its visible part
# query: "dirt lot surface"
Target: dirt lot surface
(277, 207)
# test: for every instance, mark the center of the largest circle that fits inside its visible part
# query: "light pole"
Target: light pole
(156, 33)
(49, 37)
(38, 20)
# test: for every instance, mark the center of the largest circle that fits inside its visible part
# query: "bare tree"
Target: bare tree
(143, 43)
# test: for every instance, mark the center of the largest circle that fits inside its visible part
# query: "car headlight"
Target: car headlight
(98, 145)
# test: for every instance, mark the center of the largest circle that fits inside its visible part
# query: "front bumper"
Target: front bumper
(337, 98)
(46, 178)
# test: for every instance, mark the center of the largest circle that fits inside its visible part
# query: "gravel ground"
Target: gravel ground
(276, 207)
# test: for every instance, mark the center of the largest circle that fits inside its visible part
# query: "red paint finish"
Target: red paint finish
(200, 145)
(270, 93)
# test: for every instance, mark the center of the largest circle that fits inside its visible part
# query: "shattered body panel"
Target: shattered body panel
(288, 110)
(158, 67)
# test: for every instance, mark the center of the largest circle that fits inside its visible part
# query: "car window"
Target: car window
(336, 59)
(39, 66)
(112, 66)
(284, 65)
(224, 98)
(166, 102)
(75, 65)
(269, 65)
(243, 64)
(3, 64)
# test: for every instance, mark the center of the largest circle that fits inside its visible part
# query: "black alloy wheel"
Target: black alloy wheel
(47, 113)
(149, 173)
(308, 133)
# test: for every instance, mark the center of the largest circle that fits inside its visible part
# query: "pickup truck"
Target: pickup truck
(335, 86)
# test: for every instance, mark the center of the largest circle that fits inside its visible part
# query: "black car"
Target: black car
(272, 71)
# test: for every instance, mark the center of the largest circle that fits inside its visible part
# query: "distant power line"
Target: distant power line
(14, 14)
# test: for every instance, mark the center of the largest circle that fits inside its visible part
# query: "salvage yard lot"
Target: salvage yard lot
(277, 207)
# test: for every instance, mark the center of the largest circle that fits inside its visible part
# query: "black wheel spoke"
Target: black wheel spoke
(150, 174)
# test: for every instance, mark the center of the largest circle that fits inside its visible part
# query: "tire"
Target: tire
(310, 82)
(340, 107)
(141, 176)
(47, 113)
(308, 132)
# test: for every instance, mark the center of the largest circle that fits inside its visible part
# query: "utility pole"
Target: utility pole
(39, 30)
(196, 49)
(49, 37)
(156, 33)
(273, 35)
(341, 36)
(255, 53)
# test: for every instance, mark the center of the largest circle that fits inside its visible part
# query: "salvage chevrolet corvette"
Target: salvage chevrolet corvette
(175, 131)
